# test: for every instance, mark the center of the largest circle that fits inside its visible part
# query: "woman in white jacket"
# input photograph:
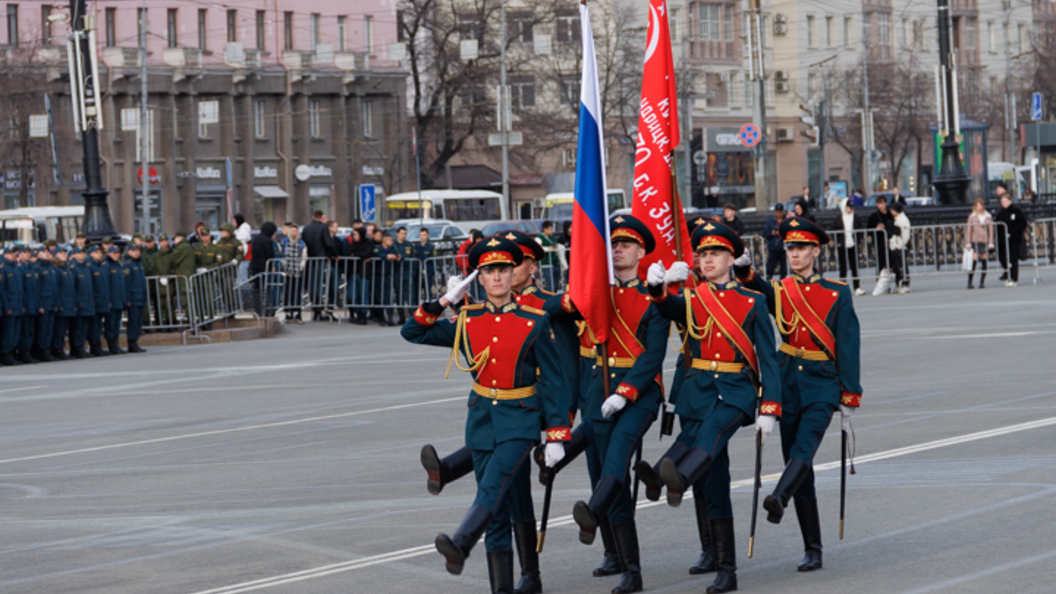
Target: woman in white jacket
(244, 234)
(897, 244)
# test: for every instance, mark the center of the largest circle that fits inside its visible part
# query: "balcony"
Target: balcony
(254, 58)
(55, 60)
(297, 62)
(122, 59)
(184, 61)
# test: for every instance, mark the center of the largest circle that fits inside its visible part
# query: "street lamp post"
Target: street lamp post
(951, 180)
(88, 115)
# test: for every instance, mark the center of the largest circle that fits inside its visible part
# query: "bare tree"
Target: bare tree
(22, 87)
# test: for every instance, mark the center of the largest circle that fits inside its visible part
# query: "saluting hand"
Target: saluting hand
(458, 291)
(612, 405)
(745, 259)
(554, 453)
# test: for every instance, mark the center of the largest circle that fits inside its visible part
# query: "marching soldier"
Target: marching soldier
(14, 309)
(819, 358)
(82, 278)
(118, 304)
(101, 294)
(66, 302)
(636, 353)
(135, 284)
(31, 303)
(518, 388)
(48, 282)
(731, 346)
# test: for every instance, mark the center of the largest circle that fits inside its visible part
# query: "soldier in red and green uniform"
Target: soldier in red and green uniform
(518, 388)
(820, 366)
(731, 347)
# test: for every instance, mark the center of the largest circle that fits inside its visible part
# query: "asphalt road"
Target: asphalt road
(290, 465)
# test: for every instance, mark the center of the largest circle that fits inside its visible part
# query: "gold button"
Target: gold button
(621, 291)
(612, 361)
(835, 294)
(494, 339)
(807, 289)
(719, 334)
(530, 324)
(801, 368)
(716, 376)
(613, 376)
(494, 360)
(716, 356)
(494, 402)
(722, 294)
(498, 319)
(751, 300)
(493, 382)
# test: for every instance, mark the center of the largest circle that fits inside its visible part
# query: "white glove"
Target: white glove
(164, 282)
(745, 259)
(766, 424)
(458, 291)
(655, 275)
(678, 272)
(612, 405)
(845, 415)
(555, 452)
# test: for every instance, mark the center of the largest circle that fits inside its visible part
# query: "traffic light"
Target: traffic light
(813, 132)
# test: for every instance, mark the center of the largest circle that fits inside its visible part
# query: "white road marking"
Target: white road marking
(230, 430)
(994, 335)
(21, 389)
(423, 550)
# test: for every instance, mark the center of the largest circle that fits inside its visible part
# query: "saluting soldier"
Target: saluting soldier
(819, 358)
(164, 286)
(14, 299)
(135, 283)
(636, 350)
(731, 347)
(82, 279)
(518, 389)
(183, 267)
(101, 295)
(118, 303)
(66, 301)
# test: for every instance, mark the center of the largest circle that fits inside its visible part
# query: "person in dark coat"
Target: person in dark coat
(135, 284)
(320, 244)
(262, 248)
(82, 278)
(776, 263)
(729, 217)
(101, 292)
(881, 220)
(361, 248)
(1015, 222)
(115, 275)
(843, 228)
(31, 295)
(47, 277)
(14, 306)
(801, 209)
(66, 301)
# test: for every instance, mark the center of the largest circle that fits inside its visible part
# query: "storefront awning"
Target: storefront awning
(270, 192)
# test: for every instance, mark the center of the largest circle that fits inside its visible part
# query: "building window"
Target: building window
(208, 113)
(401, 26)
(708, 22)
(314, 33)
(970, 25)
(287, 30)
(260, 122)
(731, 89)
(203, 33)
(111, 25)
(313, 119)
(368, 34)
(916, 33)
(883, 29)
(991, 36)
(341, 32)
(867, 29)
(765, 31)
(232, 26)
(675, 24)
(566, 29)
(523, 94)
(847, 30)
(368, 119)
(811, 37)
(171, 30)
(260, 29)
(519, 27)
(903, 34)
(45, 24)
(830, 33)
(12, 24)
(1022, 39)
(812, 86)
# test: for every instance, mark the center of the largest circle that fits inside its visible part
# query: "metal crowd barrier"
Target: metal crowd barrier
(292, 286)
(870, 254)
(443, 268)
(384, 284)
(939, 249)
(1039, 246)
(213, 295)
(168, 304)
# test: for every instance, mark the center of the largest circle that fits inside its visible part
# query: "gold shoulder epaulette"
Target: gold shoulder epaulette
(753, 291)
(834, 281)
(533, 310)
(472, 307)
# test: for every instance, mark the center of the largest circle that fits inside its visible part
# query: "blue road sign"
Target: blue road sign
(1035, 107)
(367, 209)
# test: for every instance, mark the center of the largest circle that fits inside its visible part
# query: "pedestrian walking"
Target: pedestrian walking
(359, 295)
(884, 224)
(979, 236)
(1010, 237)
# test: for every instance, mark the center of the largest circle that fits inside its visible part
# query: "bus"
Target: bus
(558, 206)
(34, 225)
(469, 209)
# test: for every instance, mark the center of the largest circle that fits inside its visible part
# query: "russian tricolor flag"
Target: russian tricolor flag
(591, 273)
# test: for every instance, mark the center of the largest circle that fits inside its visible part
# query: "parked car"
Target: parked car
(529, 226)
(444, 234)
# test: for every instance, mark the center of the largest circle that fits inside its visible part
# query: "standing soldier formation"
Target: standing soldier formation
(731, 374)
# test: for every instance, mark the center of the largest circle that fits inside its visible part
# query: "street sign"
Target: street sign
(1035, 107)
(155, 179)
(367, 208)
(750, 135)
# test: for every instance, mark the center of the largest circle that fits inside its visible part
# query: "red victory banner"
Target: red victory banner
(654, 200)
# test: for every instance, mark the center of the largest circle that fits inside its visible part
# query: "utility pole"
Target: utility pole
(757, 72)
(504, 108)
(951, 181)
(88, 118)
(1011, 125)
(143, 144)
(867, 117)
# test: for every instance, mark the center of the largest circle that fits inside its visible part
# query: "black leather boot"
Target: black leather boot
(576, 445)
(706, 563)
(610, 563)
(445, 470)
(500, 572)
(810, 526)
(133, 347)
(525, 538)
(77, 352)
(678, 477)
(726, 556)
(97, 350)
(791, 479)
(455, 549)
(627, 542)
(588, 515)
(650, 475)
(59, 354)
(44, 355)
(26, 358)
(10, 360)
(115, 348)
